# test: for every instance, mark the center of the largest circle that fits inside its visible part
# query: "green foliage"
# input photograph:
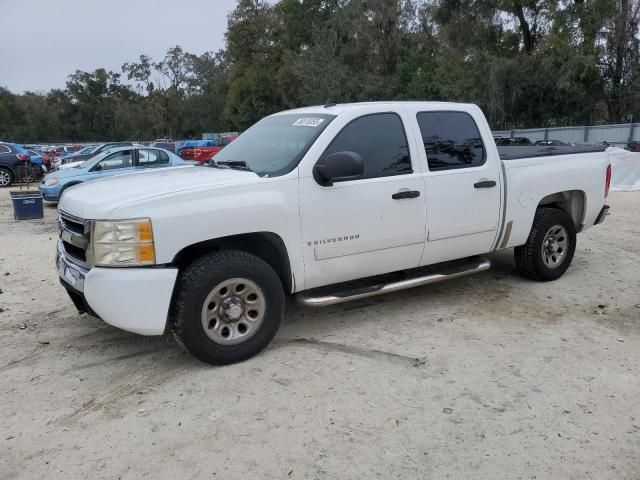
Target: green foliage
(525, 62)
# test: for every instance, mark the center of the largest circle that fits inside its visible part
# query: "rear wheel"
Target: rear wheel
(550, 246)
(228, 306)
(6, 177)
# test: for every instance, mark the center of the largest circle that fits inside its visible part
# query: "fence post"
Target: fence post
(586, 134)
(631, 128)
(511, 133)
(546, 134)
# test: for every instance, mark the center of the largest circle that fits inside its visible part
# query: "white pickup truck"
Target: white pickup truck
(329, 203)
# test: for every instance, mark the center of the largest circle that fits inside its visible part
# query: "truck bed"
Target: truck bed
(529, 151)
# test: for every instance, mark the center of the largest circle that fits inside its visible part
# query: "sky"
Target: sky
(44, 41)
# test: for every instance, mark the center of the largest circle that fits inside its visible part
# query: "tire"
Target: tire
(207, 297)
(550, 246)
(6, 177)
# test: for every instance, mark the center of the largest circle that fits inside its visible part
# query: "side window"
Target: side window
(152, 158)
(451, 140)
(121, 159)
(4, 149)
(381, 142)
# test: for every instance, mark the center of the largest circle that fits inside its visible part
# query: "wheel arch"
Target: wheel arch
(6, 166)
(268, 246)
(573, 202)
(69, 185)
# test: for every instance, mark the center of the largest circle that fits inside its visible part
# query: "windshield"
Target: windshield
(275, 145)
(86, 150)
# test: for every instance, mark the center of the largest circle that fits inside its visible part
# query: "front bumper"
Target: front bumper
(132, 299)
(50, 193)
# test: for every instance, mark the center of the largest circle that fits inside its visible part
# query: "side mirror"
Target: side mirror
(338, 167)
(96, 168)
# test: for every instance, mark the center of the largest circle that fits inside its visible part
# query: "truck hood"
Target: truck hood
(97, 199)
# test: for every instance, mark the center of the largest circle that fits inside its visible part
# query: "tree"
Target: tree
(527, 63)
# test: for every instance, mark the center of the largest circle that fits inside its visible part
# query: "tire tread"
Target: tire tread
(526, 255)
(194, 275)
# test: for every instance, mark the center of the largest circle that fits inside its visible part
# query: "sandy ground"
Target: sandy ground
(491, 376)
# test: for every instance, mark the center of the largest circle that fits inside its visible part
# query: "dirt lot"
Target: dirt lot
(491, 376)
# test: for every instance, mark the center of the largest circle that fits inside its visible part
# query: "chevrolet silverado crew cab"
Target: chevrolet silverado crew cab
(330, 204)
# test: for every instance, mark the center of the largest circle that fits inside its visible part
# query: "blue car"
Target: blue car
(116, 161)
(34, 156)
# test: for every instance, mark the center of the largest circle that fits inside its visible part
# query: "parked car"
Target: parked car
(43, 151)
(115, 161)
(307, 201)
(550, 143)
(78, 157)
(38, 159)
(502, 141)
(84, 150)
(96, 150)
(16, 164)
(167, 145)
(64, 150)
(633, 146)
(206, 151)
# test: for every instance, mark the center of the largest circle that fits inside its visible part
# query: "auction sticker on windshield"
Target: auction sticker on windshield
(307, 122)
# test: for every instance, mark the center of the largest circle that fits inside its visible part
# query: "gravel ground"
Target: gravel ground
(489, 376)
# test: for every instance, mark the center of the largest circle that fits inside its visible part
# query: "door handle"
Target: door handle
(485, 184)
(406, 194)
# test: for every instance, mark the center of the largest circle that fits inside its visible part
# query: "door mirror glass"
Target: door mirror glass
(338, 167)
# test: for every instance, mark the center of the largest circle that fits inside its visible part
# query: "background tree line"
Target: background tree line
(527, 63)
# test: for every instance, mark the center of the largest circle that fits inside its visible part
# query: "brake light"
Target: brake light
(23, 157)
(607, 182)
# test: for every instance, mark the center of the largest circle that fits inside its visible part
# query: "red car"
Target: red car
(202, 154)
(633, 146)
(65, 150)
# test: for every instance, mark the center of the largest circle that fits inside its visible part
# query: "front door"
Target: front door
(368, 226)
(115, 164)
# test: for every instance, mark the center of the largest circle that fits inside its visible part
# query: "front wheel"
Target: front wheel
(6, 177)
(228, 306)
(550, 246)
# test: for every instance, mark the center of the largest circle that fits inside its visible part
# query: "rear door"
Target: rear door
(151, 158)
(463, 185)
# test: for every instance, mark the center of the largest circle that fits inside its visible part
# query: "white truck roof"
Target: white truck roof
(337, 109)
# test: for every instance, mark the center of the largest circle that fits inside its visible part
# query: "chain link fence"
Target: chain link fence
(618, 135)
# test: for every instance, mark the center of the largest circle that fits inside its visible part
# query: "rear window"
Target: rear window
(451, 140)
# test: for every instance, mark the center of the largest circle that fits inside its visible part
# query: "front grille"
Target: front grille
(75, 252)
(72, 223)
(76, 235)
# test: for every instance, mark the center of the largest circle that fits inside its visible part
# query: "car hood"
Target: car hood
(97, 199)
(74, 164)
(64, 173)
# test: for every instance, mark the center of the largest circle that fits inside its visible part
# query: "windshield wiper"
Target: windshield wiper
(237, 164)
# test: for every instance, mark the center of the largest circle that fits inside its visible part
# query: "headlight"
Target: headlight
(51, 181)
(123, 243)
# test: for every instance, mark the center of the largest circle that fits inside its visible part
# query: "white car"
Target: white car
(323, 203)
(64, 166)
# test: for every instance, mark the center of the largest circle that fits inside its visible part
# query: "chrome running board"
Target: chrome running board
(346, 292)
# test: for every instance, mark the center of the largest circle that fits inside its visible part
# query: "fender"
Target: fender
(210, 216)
